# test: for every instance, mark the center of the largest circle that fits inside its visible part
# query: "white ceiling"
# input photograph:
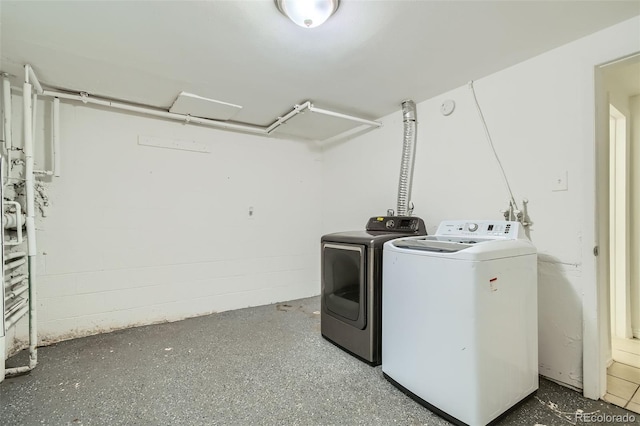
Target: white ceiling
(364, 61)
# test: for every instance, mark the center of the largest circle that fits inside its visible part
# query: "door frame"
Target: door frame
(619, 240)
(596, 341)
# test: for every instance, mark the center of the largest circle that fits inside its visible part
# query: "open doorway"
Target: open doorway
(622, 84)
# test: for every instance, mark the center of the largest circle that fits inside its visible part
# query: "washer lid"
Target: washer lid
(432, 246)
(476, 250)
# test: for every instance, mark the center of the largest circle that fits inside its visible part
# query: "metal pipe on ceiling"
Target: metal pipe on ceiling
(155, 112)
(297, 109)
(83, 97)
(345, 116)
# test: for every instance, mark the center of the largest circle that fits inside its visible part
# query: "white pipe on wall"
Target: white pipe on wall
(33, 318)
(56, 137)
(55, 132)
(34, 110)
(31, 229)
(7, 116)
(6, 97)
(34, 113)
(30, 77)
(28, 154)
(31, 225)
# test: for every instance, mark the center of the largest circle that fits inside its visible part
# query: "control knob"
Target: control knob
(390, 223)
(473, 227)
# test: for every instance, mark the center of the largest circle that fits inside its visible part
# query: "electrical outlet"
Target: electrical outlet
(560, 181)
(251, 212)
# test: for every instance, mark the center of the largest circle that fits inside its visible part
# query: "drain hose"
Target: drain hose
(408, 157)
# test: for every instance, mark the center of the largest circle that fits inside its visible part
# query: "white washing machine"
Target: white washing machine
(459, 323)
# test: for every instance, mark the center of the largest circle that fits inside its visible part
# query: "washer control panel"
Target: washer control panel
(403, 224)
(482, 228)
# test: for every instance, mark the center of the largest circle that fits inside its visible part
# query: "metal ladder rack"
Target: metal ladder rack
(18, 272)
(15, 300)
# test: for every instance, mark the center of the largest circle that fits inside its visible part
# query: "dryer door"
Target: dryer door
(344, 283)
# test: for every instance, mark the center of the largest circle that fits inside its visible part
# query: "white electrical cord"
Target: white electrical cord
(486, 131)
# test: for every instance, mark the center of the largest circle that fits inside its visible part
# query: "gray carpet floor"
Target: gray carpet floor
(267, 365)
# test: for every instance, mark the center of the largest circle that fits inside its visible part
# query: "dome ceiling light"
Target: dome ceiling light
(308, 13)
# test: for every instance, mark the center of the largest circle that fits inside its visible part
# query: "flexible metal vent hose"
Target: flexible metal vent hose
(408, 157)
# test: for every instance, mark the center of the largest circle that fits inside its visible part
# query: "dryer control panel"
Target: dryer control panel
(499, 229)
(401, 224)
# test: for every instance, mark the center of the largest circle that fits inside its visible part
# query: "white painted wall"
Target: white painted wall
(137, 234)
(541, 116)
